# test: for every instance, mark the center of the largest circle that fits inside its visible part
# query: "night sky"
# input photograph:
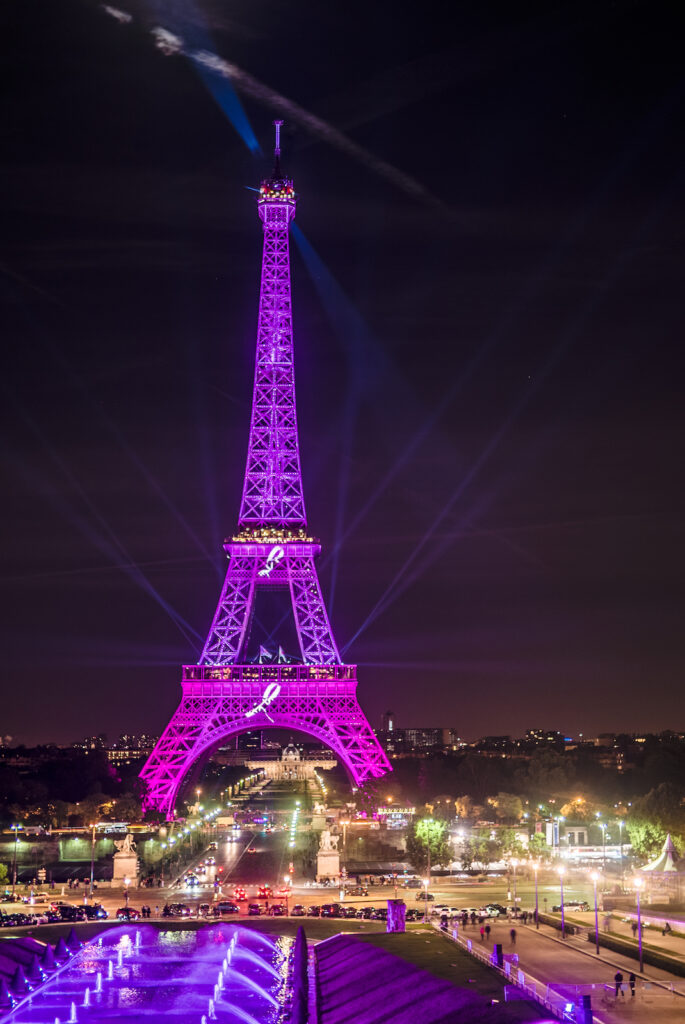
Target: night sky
(488, 293)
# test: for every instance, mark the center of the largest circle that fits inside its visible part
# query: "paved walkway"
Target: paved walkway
(565, 964)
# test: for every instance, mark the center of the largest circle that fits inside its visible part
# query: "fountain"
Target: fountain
(186, 975)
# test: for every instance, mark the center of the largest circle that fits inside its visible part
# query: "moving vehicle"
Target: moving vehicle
(426, 896)
(265, 892)
(357, 890)
(581, 905)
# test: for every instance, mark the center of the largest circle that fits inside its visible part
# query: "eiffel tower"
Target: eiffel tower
(225, 694)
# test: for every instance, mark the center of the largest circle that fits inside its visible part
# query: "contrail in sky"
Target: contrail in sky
(171, 44)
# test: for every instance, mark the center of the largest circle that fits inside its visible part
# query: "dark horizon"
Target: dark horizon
(488, 321)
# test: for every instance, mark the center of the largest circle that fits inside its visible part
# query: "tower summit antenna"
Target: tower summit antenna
(277, 148)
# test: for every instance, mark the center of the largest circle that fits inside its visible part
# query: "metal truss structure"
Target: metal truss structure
(224, 694)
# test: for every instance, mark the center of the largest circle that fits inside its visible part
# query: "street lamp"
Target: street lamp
(127, 881)
(536, 865)
(561, 871)
(14, 867)
(595, 877)
(603, 827)
(514, 863)
(620, 839)
(92, 859)
(638, 886)
(425, 900)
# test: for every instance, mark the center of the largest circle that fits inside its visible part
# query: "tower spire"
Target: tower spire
(277, 149)
(272, 490)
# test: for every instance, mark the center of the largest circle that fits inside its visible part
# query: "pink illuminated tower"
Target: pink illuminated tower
(225, 694)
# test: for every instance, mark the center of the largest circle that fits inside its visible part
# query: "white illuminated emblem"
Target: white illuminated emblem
(272, 560)
(268, 697)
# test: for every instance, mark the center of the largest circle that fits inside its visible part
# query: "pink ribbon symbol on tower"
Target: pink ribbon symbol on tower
(272, 560)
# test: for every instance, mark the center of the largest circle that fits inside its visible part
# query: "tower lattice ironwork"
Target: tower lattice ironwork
(225, 694)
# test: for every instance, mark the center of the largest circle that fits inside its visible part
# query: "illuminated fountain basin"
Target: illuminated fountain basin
(139, 974)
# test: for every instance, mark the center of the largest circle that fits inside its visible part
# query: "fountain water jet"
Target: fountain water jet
(120, 958)
(73, 1019)
(110, 971)
(211, 1012)
(86, 997)
(98, 982)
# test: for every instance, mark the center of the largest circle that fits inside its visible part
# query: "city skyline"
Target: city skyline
(489, 417)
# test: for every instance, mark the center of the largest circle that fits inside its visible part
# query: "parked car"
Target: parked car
(277, 910)
(313, 911)
(69, 913)
(298, 911)
(96, 912)
(348, 911)
(128, 914)
(330, 910)
(254, 909)
(226, 907)
(176, 910)
(494, 910)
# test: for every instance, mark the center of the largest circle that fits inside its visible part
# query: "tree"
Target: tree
(508, 807)
(537, 846)
(4, 877)
(509, 843)
(463, 807)
(654, 816)
(428, 836)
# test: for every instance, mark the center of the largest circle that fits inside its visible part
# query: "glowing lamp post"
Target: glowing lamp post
(561, 872)
(514, 863)
(536, 865)
(620, 841)
(92, 859)
(15, 829)
(638, 887)
(425, 900)
(595, 877)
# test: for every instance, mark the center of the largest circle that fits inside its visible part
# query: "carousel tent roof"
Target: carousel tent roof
(666, 861)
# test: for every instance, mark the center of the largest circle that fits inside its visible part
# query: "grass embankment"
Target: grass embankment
(433, 952)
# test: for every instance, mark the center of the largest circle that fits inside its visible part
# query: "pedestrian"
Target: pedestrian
(618, 981)
(633, 928)
(487, 933)
(482, 933)
(157, 911)
(513, 936)
(464, 918)
(473, 917)
(631, 982)
(524, 917)
(667, 929)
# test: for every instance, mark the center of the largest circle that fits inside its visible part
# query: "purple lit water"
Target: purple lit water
(140, 975)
